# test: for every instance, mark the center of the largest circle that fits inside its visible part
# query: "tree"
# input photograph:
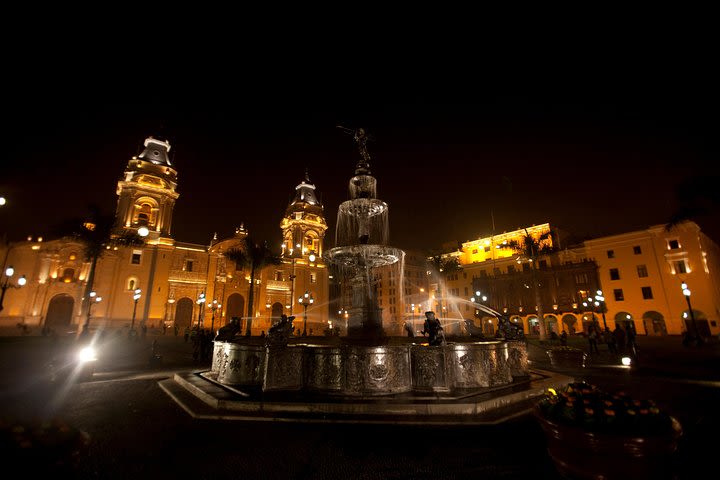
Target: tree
(96, 233)
(531, 248)
(252, 256)
(442, 267)
(697, 198)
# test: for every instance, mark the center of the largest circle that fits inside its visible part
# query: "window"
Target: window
(581, 279)
(543, 264)
(132, 283)
(647, 293)
(680, 266)
(483, 273)
(637, 250)
(466, 291)
(611, 253)
(642, 271)
(189, 265)
(673, 244)
(136, 255)
(279, 275)
(614, 274)
(618, 295)
(313, 278)
(496, 271)
(474, 251)
(67, 275)
(511, 268)
(526, 267)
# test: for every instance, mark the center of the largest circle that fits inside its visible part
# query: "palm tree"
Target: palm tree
(531, 248)
(253, 256)
(96, 233)
(442, 267)
(697, 197)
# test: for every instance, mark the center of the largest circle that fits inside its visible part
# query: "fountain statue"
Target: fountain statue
(368, 361)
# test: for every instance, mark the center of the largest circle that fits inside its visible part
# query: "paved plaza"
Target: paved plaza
(136, 429)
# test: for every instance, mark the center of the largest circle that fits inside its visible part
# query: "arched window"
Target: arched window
(144, 213)
(68, 275)
(132, 283)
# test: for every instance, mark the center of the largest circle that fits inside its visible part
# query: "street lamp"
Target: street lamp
(94, 298)
(306, 300)
(136, 297)
(600, 303)
(9, 272)
(201, 302)
(214, 306)
(686, 292)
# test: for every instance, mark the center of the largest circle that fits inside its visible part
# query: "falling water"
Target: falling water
(361, 237)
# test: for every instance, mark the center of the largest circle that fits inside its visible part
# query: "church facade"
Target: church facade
(165, 281)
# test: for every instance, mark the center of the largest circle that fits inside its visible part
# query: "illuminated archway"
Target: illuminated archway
(60, 311)
(183, 312)
(654, 323)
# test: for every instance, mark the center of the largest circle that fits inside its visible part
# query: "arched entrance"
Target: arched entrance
(625, 320)
(551, 324)
(654, 323)
(588, 320)
(59, 312)
(183, 312)
(569, 323)
(533, 326)
(235, 308)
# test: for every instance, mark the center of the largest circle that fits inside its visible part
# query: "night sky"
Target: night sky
(592, 161)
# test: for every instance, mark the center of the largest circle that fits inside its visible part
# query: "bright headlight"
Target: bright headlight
(87, 354)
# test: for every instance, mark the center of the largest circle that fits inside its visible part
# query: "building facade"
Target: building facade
(639, 274)
(171, 277)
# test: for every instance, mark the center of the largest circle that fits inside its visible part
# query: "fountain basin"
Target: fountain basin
(360, 370)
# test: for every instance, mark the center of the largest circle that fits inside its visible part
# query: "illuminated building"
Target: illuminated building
(639, 273)
(172, 274)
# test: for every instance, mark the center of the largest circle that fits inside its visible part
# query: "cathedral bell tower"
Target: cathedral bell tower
(304, 226)
(147, 192)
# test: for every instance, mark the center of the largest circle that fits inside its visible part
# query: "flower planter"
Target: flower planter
(594, 435)
(567, 357)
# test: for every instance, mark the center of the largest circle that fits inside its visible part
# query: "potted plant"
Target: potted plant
(568, 357)
(50, 445)
(592, 434)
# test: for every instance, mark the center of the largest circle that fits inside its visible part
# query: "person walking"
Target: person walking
(593, 339)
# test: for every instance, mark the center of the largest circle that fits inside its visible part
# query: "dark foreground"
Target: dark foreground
(136, 431)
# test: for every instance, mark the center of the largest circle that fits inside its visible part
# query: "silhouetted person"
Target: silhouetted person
(563, 338)
(409, 329)
(433, 329)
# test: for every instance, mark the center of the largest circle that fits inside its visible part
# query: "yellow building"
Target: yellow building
(638, 273)
(169, 276)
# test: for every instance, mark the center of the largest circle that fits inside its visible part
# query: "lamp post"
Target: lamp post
(201, 302)
(686, 292)
(94, 298)
(600, 303)
(306, 300)
(213, 306)
(9, 272)
(136, 297)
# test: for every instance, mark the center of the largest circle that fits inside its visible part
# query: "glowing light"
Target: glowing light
(22, 281)
(312, 257)
(2, 201)
(627, 361)
(143, 231)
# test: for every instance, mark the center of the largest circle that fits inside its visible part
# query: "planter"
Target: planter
(582, 454)
(567, 357)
